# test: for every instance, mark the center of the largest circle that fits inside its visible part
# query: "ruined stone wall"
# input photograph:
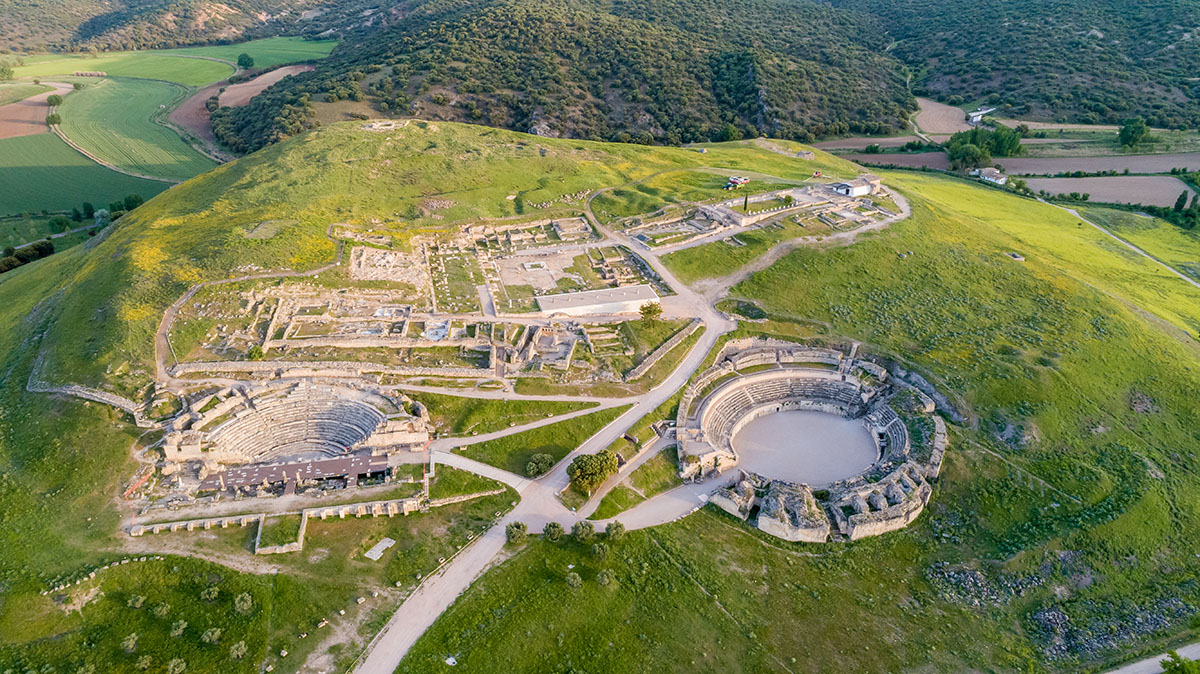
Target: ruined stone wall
(663, 350)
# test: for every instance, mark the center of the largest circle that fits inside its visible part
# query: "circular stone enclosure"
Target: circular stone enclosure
(805, 446)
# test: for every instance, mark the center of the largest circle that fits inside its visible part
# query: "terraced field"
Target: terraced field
(41, 172)
(113, 119)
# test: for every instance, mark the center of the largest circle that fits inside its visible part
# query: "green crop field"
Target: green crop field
(153, 65)
(43, 173)
(11, 93)
(266, 53)
(114, 120)
(1175, 246)
(179, 65)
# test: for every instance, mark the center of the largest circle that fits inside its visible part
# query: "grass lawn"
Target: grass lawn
(615, 502)
(720, 258)
(1174, 245)
(43, 173)
(279, 530)
(657, 475)
(19, 91)
(466, 415)
(512, 452)
(114, 120)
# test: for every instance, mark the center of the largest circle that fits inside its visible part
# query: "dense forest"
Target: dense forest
(1082, 61)
(645, 70)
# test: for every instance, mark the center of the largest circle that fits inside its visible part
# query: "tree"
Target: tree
(88, 209)
(6, 73)
(573, 580)
(615, 531)
(176, 666)
(210, 593)
(243, 603)
(516, 532)
(59, 223)
(77, 86)
(1132, 132)
(605, 577)
(583, 531)
(144, 662)
(76, 216)
(54, 100)
(132, 201)
(129, 643)
(102, 217)
(538, 464)
(136, 601)
(53, 119)
(651, 311)
(178, 627)
(161, 610)
(1174, 664)
(238, 650)
(552, 532)
(245, 61)
(588, 471)
(255, 352)
(600, 550)
(211, 635)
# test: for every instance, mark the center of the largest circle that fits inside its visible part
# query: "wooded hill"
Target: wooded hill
(1082, 61)
(648, 70)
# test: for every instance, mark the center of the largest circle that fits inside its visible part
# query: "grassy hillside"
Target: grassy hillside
(1072, 60)
(114, 120)
(42, 172)
(1058, 535)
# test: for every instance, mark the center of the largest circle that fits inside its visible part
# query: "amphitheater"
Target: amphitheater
(295, 429)
(819, 446)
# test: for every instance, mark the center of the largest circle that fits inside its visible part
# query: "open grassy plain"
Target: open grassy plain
(17, 91)
(114, 119)
(44, 173)
(1173, 245)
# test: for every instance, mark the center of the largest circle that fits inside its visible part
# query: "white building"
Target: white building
(862, 186)
(626, 300)
(976, 116)
(990, 175)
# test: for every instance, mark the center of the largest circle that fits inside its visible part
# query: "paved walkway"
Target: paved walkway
(1152, 666)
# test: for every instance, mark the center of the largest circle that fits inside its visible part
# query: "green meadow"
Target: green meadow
(114, 119)
(12, 92)
(44, 173)
(267, 53)
(1177, 247)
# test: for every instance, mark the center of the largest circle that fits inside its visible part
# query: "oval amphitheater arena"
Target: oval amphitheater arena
(819, 445)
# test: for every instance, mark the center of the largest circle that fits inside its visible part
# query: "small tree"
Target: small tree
(651, 311)
(243, 603)
(245, 61)
(76, 215)
(132, 201)
(538, 464)
(161, 610)
(144, 662)
(176, 666)
(210, 593)
(583, 531)
(1132, 132)
(1181, 202)
(553, 531)
(573, 580)
(178, 627)
(88, 209)
(54, 100)
(605, 577)
(53, 119)
(6, 73)
(129, 643)
(516, 532)
(1174, 664)
(600, 550)
(59, 223)
(136, 601)
(615, 531)
(255, 352)
(588, 471)
(211, 635)
(238, 650)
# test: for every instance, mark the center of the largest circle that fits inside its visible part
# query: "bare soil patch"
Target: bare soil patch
(1147, 190)
(937, 117)
(1135, 163)
(28, 117)
(236, 95)
(936, 160)
(193, 116)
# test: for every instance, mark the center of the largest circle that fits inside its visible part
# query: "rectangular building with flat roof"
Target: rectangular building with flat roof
(626, 300)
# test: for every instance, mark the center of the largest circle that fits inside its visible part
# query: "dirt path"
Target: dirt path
(27, 117)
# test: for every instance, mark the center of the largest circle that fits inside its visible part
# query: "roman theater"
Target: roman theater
(826, 445)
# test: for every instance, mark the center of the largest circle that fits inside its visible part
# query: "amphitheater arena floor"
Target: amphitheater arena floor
(815, 448)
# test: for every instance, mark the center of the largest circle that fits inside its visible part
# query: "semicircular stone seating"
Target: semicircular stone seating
(305, 422)
(731, 403)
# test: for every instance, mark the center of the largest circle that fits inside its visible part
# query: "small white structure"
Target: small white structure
(976, 116)
(991, 175)
(626, 300)
(862, 186)
(377, 551)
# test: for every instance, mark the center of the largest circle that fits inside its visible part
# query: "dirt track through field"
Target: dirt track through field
(28, 117)
(1147, 190)
(937, 117)
(240, 94)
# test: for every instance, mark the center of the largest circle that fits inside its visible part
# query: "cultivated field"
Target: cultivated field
(1147, 190)
(113, 120)
(939, 118)
(28, 116)
(42, 172)
(150, 65)
(13, 92)
(269, 52)
(861, 142)
(936, 160)
(1137, 163)
(241, 93)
